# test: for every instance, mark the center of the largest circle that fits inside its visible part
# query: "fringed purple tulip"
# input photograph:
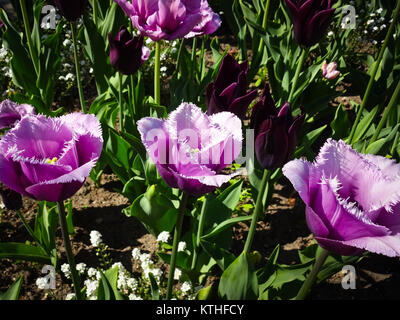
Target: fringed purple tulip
(50, 158)
(127, 53)
(71, 9)
(190, 148)
(11, 112)
(229, 90)
(311, 19)
(275, 132)
(352, 200)
(171, 19)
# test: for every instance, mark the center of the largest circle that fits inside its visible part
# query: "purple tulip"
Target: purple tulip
(11, 112)
(127, 53)
(70, 9)
(49, 158)
(352, 200)
(275, 132)
(329, 70)
(229, 90)
(171, 19)
(190, 148)
(311, 19)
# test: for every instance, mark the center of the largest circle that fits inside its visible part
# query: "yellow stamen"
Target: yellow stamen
(52, 161)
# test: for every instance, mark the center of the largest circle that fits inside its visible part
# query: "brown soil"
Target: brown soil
(99, 208)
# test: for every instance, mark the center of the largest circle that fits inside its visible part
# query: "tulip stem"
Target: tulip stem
(94, 5)
(68, 250)
(319, 262)
(264, 25)
(200, 231)
(386, 113)
(132, 93)
(157, 78)
(28, 228)
(300, 64)
(177, 233)
(120, 101)
(257, 211)
(77, 67)
(28, 34)
(374, 71)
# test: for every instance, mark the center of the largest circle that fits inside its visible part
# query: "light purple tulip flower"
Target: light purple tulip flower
(190, 148)
(329, 70)
(352, 200)
(171, 19)
(50, 158)
(11, 112)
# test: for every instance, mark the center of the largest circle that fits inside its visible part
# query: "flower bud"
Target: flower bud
(127, 53)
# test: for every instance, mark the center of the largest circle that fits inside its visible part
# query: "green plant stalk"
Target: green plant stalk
(319, 262)
(68, 250)
(200, 229)
(300, 64)
(157, 77)
(132, 95)
(77, 67)
(373, 73)
(392, 103)
(193, 57)
(120, 102)
(95, 9)
(257, 211)
(203, 63)
(28, 228)
(28, 33)
(177, 233)
(264, 26)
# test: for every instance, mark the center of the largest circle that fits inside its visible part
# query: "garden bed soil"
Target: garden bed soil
(99, 208)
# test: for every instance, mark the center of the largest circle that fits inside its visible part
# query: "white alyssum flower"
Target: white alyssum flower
(42, 283)
(186, 287)
(66, 270)
(132, 284)
(177, 274)
(136, 254)
(81, 267)
(181, 246)
(91, 287)
(70, 296)
(163, 236)
(121, 268)
(92, 272)
(95, 238)
(132, 296)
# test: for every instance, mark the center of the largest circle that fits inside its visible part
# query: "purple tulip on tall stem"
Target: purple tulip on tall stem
(48, 159)
(189, 150)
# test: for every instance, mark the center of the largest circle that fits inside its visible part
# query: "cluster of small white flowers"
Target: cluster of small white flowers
(163, 236)
(177, 274)
(95, 238)
(81, 267)
(181, 246)
(2, 206)
(3, 52)
(91, 288)
(186, 287)
(70, 296)
(66, 270)
(147, 265)
(132, 296)
(69, 77)
(93, 273)
(42, 283)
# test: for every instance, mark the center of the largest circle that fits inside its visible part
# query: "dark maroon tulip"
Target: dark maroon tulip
(12, 200)
(127, 53)
(229, 90)
(275, 132)
(310, 19)
(70, 9)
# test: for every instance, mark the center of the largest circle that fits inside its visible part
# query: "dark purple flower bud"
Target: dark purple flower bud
(310, 19)
(229, 90)
(12, 200)
(70, 9)
(275, 132)
(127, 53)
